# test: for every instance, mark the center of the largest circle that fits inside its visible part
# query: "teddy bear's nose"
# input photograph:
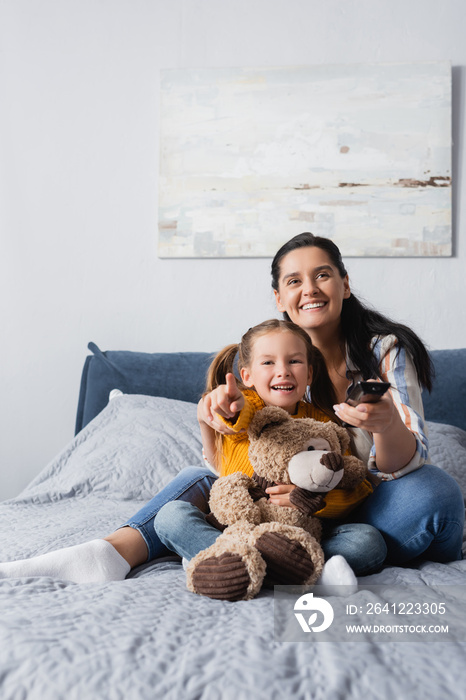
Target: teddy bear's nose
(332, 460)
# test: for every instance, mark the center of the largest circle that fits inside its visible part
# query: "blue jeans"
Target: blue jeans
(420, 515)
(183, 529)
(191, 484)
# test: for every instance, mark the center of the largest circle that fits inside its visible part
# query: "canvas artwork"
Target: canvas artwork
(358, 153)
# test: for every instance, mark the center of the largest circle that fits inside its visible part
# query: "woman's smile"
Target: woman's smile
(311, 290)
(309, 306)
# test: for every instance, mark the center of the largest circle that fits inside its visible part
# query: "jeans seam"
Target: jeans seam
(403, 547)
(442, 523)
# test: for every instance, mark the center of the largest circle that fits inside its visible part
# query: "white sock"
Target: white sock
(338, 577)
(96, 561)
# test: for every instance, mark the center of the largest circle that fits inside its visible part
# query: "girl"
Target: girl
(276, 362)
(277, 359)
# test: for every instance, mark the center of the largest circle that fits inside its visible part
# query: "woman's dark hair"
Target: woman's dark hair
(359, 323)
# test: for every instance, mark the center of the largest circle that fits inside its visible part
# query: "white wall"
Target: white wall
(78, 188)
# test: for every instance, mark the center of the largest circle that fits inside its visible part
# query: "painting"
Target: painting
(361, 154)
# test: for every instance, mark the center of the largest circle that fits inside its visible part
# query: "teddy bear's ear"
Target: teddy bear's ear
(343, 436)
(269, 416)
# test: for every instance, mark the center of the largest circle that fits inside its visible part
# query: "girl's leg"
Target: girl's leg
(191, 485)
(361, 545)
(91, 562)
(111, 558)
(183, 529)
(130, 544)
(419, 515)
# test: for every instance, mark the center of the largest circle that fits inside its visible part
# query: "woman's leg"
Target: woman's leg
(137, 540)
(419, 515)
(361, 545)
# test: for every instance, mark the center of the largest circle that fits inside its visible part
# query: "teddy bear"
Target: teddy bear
(263, 543)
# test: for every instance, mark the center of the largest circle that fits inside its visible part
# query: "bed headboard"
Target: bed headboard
(174, 375)
(447, 402)
(181, 375)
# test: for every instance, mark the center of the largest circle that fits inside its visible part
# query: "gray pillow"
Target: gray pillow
(447, 447)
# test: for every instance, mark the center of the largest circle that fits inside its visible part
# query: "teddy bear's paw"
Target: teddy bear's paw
(292, 556)
(224, 578)
(233, 574)
(287, 562)
(337, 577)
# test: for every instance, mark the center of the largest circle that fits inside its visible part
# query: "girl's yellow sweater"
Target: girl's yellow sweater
(338, 503)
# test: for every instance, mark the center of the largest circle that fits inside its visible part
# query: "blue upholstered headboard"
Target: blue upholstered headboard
(181, 375)
(174, 375)
(447, 401)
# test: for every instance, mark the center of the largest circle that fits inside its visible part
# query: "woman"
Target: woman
(422, 513)
(417, 507)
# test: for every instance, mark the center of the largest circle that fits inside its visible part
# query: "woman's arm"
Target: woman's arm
(395, 445)
(226, 401)
(208, 439)
(396, 422)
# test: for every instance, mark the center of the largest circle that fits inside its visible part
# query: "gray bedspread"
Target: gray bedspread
(147, 636)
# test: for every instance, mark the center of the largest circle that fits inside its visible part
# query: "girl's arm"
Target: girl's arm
(226, 400)
(279, 495)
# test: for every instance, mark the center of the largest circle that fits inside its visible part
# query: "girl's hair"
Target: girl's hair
(323, 393)
(359, 323)
(224, 362)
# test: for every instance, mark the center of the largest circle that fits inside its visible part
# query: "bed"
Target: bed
(147, 636)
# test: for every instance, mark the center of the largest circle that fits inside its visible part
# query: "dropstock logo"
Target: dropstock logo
(307, 603)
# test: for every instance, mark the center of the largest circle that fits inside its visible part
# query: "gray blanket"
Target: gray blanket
(147, 636)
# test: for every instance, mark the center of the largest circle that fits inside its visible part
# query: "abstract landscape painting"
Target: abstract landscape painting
(358, 153)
